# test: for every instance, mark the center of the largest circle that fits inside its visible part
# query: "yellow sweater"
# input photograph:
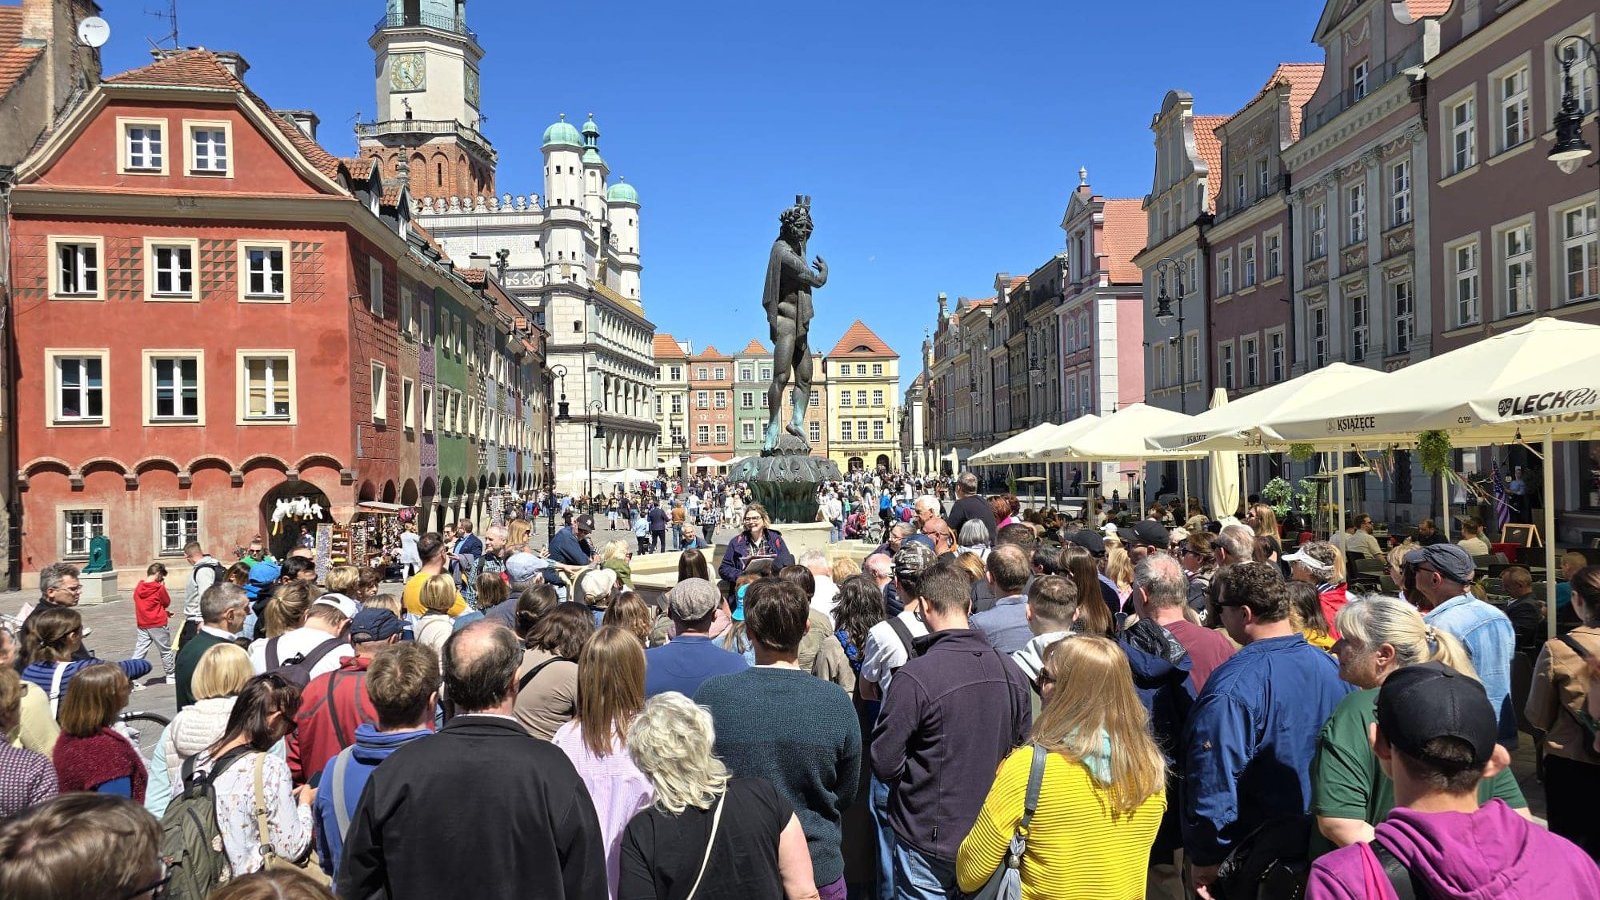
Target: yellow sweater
(1077, 848)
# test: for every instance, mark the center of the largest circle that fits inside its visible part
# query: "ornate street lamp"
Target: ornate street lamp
(1570, 148)
(556, 372)
(1164, 315)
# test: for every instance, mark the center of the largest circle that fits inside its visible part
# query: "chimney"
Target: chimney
(303, 119)
(233, 62)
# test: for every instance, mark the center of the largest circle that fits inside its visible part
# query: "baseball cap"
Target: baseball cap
(692, 599)
(373, 624)
(586, 522)
(1451, 561)
(1090, 541)
(262, 575)
(912, 559)
(340, 602)
(1178, 535)
(1419, 703)
(522, 567)
(738, 603)
(1151, 532)
(1307, 558)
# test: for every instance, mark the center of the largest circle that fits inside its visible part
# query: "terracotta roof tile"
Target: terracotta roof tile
(1426, 9)
(1126, 228)
(754, 346)
(711, 352)
(664, 347)
(10, 26)
(1209, 147)
(360, 167)
(859, 340)
(1303, 79)
(14, 63)
(201, 68)
(474, 277)
(391, 194)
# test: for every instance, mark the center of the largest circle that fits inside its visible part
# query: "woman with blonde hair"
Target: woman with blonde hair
(844, 569)
(218, 677)
(1119, 568)
(1264, 520)
(735, 837)
(610, 695)
(1103, 792)
(436, 625)
(616, 557)
(1349, 792)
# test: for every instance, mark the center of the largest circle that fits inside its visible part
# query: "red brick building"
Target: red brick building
(209, 309)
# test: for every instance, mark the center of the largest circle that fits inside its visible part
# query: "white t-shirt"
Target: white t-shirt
(826, 596)
(293, 643)
(885, 653)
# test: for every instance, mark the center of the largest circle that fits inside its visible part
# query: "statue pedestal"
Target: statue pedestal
(784, 481)
(98, 588)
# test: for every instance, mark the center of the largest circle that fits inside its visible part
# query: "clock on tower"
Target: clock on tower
(408, 72)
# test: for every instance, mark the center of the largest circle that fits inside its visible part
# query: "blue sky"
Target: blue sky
(939, 140)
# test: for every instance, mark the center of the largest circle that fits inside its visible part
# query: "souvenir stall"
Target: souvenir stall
(294, 521)
(370, 538)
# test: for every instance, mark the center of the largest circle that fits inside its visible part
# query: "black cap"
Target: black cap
(1151, 532)
(586, 522)
(1451, 561)
(1431, 700)
(1090, 541)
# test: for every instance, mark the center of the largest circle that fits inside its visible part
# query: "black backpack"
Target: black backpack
(190, 837)
(297, 669)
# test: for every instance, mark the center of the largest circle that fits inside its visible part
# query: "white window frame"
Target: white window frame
(877, 398)
(1522, 262)
(861, 399)
(720, 433)
(90, 529)
(1241, 197)
(427, 408)
(814, 428)
(1399, 173)
(747, 431)
(243, 357)
(191, 129)
(846, 430)
(1227, 377)
(1317, 318)
(702, 434)
(1250, 355)
(877, 368)
(1403, 313)
(1465, 277)
(408, 308)
(125, 126)
(166, 548)
(1263, 178)
(877, 430)
(1277, 358)
(153, 270)
(844, 398)
(1355, 202)
(1516, 108)
(55, 244)
(1360, 325)
(246, 295)
(702, 399)
(1460, 117)
(1247, 264)
(1587, 246)
(1225, 273)
(1272, 242)
(1317, 230)
(380, 391)
(151, 358)
(1358, 80)
(375, 286)
(53, 405)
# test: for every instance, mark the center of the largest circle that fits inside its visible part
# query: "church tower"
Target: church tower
(427, 64)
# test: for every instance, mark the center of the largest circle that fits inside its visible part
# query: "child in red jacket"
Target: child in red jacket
(150, 603)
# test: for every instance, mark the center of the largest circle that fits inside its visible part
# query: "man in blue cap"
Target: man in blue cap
(1438, 580)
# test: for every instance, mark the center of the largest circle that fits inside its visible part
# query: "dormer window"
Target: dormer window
(208, 147)
(143, 149)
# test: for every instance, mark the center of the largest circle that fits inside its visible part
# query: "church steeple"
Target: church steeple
(428, 99)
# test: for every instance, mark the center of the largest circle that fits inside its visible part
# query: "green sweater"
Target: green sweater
(800, 733)
(188, 657)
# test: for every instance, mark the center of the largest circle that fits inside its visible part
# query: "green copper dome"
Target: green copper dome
(590, 128)
(562, 134)
(591, 157)
(622, 192)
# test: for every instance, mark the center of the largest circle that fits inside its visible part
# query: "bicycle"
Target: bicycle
(145, 737)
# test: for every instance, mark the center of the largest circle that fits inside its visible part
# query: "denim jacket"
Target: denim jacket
(1490, 640)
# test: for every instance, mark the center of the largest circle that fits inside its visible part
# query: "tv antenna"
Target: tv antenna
(170, 16)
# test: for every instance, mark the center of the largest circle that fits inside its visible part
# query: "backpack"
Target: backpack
(297, 669)
(190, 836)
(1587, 726)
(219, 573)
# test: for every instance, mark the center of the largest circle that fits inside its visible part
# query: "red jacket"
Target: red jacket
(150, 602)
(330, 709)
(1332, 598)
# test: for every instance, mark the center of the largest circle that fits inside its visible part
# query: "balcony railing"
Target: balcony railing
(1317, 116)
(425, 20)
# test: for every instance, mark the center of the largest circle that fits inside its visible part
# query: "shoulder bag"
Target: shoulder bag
(1006, 882)
(269, 854)
(716, 823)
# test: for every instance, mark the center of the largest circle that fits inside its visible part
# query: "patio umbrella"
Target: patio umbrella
(1239, 425)
(1030, 443)
(1119, 437)
(1222, 489)
(989, 457)
(707, 462)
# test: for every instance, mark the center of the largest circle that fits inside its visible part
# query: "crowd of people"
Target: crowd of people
(1168, 707)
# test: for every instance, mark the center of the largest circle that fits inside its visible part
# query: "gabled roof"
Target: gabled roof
(859, 340)
(200, 68)
(754, 346)
(664, 347)
(711, 352)
(1303, 79)
(360, 167)
(474, 277)
(1209, 146)
(14, 60)
(1123, 236)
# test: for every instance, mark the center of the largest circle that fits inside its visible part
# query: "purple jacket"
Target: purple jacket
(1492, 854)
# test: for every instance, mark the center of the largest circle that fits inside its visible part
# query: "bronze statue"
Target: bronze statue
(787, 300)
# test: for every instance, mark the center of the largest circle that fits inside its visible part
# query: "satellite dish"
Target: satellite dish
(93, 31)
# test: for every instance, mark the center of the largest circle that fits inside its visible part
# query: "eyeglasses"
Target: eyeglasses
(157, 889)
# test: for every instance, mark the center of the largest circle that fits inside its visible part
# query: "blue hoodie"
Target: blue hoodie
(370, 749)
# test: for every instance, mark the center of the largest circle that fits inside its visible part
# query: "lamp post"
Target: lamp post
(1571, 149)
(558, 415)
(1164, 315)
(597, 432)
(683, 460)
